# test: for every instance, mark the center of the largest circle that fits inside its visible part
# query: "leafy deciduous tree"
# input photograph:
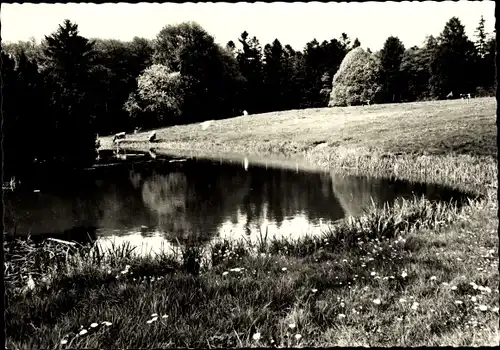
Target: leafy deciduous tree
(356, 80)
(158, 100)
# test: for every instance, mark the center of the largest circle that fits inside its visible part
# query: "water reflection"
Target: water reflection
(162, 202)
(188, 207)
(356, 193)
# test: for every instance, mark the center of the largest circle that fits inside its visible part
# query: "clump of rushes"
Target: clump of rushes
(28, 262)
(227, 251)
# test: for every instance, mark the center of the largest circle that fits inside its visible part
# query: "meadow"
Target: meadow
(418, 273)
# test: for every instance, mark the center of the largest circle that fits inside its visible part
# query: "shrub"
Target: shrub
(355, 81)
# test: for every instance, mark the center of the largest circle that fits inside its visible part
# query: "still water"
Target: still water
(164, 202)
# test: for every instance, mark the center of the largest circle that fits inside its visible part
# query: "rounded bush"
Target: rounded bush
(356, 80)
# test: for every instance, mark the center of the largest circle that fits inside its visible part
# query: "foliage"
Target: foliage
(275, 76)
(28, 48)
(390, 76)
(66, 66)
(116, 68)
(481, 39)
(452, 62)
(356, 43)
(490, 66)
(356, 80)
(485, 57)
(251, 66)
(48, 112)
(415, 73)
(158, 100)
(320, 61)
(208, 75)
(184, 48)
(17, 83)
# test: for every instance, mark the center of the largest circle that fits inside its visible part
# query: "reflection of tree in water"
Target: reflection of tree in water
(120, 205)
(165, 194)
(252, 202)
(190, 206)
(288, 194)
(135, 179)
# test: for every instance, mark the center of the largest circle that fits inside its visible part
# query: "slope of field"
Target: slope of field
(436, 127)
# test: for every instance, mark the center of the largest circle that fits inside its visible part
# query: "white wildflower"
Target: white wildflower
(30, 283)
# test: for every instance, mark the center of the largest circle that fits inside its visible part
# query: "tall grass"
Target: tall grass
(470, 174)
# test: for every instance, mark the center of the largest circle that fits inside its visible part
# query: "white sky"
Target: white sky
(291, 23)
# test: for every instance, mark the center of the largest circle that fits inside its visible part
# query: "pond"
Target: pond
(160, 202)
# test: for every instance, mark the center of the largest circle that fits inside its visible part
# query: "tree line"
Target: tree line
(59, 94)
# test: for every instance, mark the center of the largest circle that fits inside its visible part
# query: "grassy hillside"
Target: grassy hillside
(419, 273)
(434, 127)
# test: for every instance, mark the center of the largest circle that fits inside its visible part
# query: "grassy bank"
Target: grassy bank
(437, 127)
(417, 273)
